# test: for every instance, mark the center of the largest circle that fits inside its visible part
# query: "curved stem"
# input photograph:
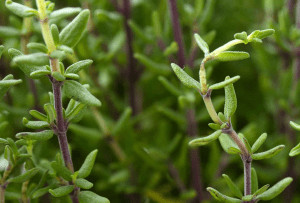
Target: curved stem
(210, 108)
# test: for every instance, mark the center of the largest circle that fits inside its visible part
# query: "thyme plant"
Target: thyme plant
(232, 142)
(59, 177)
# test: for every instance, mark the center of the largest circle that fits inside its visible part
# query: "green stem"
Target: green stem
(225, 47)
(24, 190)
(45, 26)
(210, 108)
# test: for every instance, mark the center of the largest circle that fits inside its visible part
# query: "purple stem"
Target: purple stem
(177, 32)
(190, 113)
(132, 73)
(61, 131)
(194, 156)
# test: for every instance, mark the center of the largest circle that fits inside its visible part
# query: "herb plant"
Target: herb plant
(45, 60)
(147, 118)
(232, 142)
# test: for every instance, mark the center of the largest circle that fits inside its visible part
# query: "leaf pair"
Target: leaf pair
(264, 193)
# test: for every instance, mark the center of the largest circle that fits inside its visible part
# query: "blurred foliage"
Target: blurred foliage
(153, 136)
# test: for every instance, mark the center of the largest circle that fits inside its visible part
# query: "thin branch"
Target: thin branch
(194, 155)
(175, 174)
(131, 66)
(190, 113)
(177, 32)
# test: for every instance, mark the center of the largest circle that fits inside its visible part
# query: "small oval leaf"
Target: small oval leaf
(185, 78)
(205, 140)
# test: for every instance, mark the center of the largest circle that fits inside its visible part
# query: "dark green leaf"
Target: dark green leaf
(24, 177)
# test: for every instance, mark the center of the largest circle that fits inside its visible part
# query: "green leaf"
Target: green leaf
(123, 120)
(73, 32)
(75, 90)
(171, 49)
(275, 190)
(156, 24)
(265, 33)
(64, 13)
(36, 59)
(78, 66)
(230, 100)
(6, 83)
(234, 150)
(227, 143)
(55, 33)
(66, 49)
(41, 192)
(268, 154)
(61, 170)
(205, 140)
(260, 34)
(58, 76)
(35, 124)
(62, 191)
(185, 78)
(139, 32)
(72, 76)
(57, 54)
(88, 164)
(261, 190)
(20, 10)
(169, 86)
(3, 141)
(157, 68)
(39, 73)
(41, 136)
(254, 180)
(221, 197)
(37, 46)
(1, 50)
(225, 83)
(90, 197)
(83, 184)
(214, 126)
(232, 56)
(27, 69)
(247, 198)
(295, 125)
(24, 177)
(295, 151)
(9, 32)
(202, 44)
(241, 36)
(232, 186)
(50, 111)
(75, 112)
(259, 142)
(247, 145)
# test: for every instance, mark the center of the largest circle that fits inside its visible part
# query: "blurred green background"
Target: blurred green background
(156, 165)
